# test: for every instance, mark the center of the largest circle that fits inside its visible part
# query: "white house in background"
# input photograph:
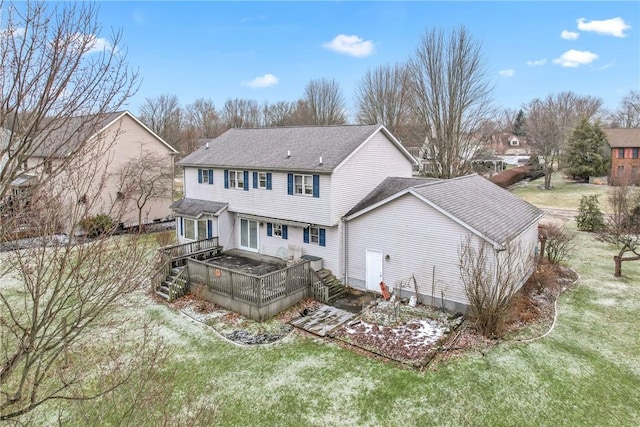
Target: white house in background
(345, 194)
(5, 135)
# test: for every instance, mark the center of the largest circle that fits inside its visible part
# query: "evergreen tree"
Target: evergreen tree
(519, 127)
(585, 154)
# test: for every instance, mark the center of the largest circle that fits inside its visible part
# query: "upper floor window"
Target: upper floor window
(634, 153)
(25, 165)
(514, 142)
(621, 153)
(48, 167)
(306, 185)
(262, 180)
(205, 176)
(303, 184)
(236, 179)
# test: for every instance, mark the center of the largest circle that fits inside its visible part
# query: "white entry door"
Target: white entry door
(248, 235)
(374, 270)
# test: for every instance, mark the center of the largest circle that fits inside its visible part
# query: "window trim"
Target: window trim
(234, 181)
(304, 186)
(197, 228)
(621, 153)
(260, 180)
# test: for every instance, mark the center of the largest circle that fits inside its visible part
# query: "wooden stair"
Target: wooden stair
(335, 286)
(174, 285)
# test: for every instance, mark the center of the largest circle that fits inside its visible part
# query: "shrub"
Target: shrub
(99, 225)
(590, 216)
(165, 238)
(511, 176)
(558, 243)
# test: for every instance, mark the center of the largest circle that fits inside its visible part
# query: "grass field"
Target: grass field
(585, 373)
(564, 195)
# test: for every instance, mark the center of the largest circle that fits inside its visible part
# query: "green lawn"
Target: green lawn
(586, 372)
(564, 195)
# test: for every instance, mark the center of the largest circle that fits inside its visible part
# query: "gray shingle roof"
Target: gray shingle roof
(267, 148)
(477, 202)
(386, 188)
(196, 207)
(623, 138)
(472, 199)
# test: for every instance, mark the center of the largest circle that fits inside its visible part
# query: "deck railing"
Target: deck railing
(254, 290)
(174, 252)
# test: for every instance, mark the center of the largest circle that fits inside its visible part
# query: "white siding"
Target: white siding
(371, 164)
(416, 238)
(274, 203)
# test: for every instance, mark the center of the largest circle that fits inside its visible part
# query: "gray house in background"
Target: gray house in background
(345, 194)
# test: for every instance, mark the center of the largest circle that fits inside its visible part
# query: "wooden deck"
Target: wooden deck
(324, 320)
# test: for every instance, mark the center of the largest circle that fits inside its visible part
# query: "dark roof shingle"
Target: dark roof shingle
(623, 138)
(196, 207)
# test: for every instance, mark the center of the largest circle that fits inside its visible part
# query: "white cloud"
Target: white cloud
(350, 45)
(263, 81)
(537, 62)
(98, 44)
(507, 73)
(574, 58)
(569, 35)
(611, 27)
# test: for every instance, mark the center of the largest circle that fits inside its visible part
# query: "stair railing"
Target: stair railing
(160, 275)
(178, 287)
(319, 290)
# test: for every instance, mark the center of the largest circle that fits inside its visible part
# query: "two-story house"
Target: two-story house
(105, 153)
(264, 190)
(346, 194)
(625, 156)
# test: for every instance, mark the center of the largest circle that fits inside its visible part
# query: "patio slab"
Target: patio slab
(323, 320)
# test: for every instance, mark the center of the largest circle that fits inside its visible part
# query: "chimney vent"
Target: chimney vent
(288, 153)
(320, 159)
(206, 146)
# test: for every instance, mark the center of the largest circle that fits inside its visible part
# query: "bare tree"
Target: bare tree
(382, 97)
(242, 113)
(550, 122)
(628, 113)
(164, 116)
(279, 113)
(143, 180)
(490, 278)
(58, 292)
(322, 104)
(203, 118)
(55, 68)
(623, 225)
(451, 96)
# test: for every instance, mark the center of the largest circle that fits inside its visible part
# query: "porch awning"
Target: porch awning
(196, 207)
(276, 220)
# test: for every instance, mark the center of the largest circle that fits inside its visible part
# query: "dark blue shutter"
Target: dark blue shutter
(199, 176)
(226, 178)
(290, 184)
(269, 229)
(268, 180)
(209, 229)
(316, 185)
(305, 235)
(255, 180)
(181, 223)
(210, 176)
(323, 237)
(246, 180)
(285, 232)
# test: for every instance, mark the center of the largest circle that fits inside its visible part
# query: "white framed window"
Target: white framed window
(262, 180)
(314, 235)
(236, 179)
(205, 176)
(194, 229)
(303, 184)
(277, 230)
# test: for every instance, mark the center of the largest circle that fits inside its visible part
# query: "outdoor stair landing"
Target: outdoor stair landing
(323, 320)
(163, 289)
(336, 288)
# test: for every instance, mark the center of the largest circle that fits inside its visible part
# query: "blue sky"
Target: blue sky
(269, 51)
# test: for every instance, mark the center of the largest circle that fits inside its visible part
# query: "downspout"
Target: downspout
(345, 246)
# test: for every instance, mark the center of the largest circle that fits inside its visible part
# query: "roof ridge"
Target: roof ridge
(306, 126)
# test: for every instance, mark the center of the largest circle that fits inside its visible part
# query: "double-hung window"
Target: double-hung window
(205, 176)
(236, 179)
(303, 184)
(262, 180)
(315, 235)
(621, 153)
(634, 153)
(277, 230)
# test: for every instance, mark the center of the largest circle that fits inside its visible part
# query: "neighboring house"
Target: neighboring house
(121, 139)
(5, 135)
(345, 194)
(510, 148)
(625, 158)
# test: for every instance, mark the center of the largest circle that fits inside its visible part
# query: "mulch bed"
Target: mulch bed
(417, 336)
